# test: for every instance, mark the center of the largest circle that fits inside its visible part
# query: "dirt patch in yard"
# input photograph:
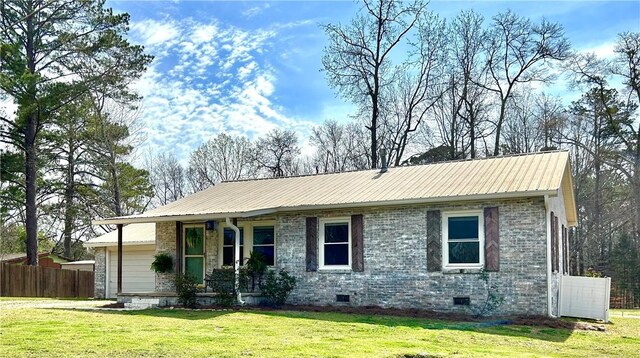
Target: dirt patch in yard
(534, 321)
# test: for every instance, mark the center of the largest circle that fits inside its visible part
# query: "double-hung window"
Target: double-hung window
(193, 249)
(335, 243)
(463, 239)
(264, 243)
(228, 249)
(254, 236)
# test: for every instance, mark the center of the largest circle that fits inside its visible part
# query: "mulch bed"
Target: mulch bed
(532, 321)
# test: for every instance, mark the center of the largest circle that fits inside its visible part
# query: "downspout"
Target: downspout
(548, 225)
(236, 263)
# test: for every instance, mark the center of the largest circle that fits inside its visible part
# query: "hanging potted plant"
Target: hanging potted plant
(162, 263)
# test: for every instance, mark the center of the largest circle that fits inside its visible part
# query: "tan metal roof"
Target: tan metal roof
(132, 234)
(528, 175)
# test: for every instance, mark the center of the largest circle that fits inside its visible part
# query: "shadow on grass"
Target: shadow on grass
(533, 328)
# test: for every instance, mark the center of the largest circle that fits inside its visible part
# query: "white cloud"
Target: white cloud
(152, 32)
(256, 10)
(208, 78)
(603, 50)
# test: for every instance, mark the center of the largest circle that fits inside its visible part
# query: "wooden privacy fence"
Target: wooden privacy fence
(36, 281)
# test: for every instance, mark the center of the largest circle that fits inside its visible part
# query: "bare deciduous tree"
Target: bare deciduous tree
(168, 178)
(222, 158)
(276, 153)
(416, 89)
(339, 147)
(357, 60)
(517, 52)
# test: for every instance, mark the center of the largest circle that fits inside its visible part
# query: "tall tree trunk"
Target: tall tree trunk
(374, 128)
(597, 202)
(496, 149)
(69, 195)
(117, 199)
(472, 133)
(31, 220)
(31, 153)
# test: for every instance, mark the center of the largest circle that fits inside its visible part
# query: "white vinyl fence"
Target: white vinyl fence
(585, 297)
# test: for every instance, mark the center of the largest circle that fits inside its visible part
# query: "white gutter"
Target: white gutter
(548, 249)
(236, 263)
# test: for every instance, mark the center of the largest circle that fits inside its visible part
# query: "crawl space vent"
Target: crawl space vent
(342, 298)
(461, 301)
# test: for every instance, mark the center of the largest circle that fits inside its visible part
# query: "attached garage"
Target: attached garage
(138, 249)
(137, 275)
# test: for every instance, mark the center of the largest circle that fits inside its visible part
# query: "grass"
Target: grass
(170, 333)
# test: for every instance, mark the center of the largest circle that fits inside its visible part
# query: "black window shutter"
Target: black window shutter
(312, 244)
(357, 249)
(434, 241)
(492, 239)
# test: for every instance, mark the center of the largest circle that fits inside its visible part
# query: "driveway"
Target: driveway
(51, 303)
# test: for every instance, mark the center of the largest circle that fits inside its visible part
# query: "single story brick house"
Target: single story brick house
(405, 237)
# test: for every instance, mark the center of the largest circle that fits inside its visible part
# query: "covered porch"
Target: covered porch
(197, 248)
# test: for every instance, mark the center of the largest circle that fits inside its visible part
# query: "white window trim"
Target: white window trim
(263, 224)
(222, 245)
(247, 247)
(204, 248)
(445, 238)
(321, 243)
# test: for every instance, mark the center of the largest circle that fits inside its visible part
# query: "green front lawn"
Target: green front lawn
(172, 333)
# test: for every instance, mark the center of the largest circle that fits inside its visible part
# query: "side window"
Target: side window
(463, 240)
(264, 243)
(228, 243)
(335, 243)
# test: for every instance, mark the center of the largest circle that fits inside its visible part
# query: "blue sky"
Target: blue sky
(246, 67)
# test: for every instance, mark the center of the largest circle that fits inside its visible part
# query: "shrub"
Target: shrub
(162, 263)
(186, 287)
(276, 288)
(222, 282)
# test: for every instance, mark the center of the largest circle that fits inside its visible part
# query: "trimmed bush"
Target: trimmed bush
(276, 288)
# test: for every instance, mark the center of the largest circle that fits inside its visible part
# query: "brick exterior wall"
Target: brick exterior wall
(166, 242)
(100, 278)
(395, 260)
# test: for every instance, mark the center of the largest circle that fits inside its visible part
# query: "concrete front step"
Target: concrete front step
(142, 303)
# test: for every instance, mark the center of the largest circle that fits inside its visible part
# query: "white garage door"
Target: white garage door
(136, 269)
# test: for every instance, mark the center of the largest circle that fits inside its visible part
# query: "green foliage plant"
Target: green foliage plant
(276, 288)
(162, 263)
(186, 288)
